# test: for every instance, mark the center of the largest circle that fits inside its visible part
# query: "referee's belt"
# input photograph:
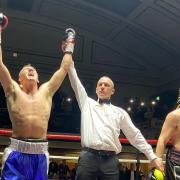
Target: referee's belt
(99, 152)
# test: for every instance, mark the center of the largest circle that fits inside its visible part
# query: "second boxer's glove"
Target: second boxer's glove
(69, 40)
(155, 174)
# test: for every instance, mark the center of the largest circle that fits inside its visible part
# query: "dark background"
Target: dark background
(135, 42)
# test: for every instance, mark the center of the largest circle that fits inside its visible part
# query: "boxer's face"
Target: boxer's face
(105, 88)
(28, 74)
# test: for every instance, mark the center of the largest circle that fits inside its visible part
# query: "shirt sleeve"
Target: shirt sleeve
(78, 88)
(135, 137)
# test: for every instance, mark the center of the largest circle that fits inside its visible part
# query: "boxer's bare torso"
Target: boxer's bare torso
(29, 113)
(170, 132)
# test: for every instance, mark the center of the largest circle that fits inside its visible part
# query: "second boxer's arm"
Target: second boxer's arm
(166, 133)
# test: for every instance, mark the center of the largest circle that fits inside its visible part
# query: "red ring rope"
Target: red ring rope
(73, 137)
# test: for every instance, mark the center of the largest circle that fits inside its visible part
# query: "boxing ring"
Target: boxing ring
(77, 138)
(139, 164)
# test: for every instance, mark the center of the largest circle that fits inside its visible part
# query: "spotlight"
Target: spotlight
(158, 98)
(68, 99)
(131, 100)
(15, 54)
(153, 102)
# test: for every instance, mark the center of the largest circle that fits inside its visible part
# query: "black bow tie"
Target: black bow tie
(104, 101)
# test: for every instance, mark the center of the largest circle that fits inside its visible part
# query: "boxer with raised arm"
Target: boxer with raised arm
(29, 109)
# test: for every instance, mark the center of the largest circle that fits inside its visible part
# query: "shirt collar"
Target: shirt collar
(104, 101)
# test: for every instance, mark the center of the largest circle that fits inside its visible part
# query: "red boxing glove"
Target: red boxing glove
(3, 22)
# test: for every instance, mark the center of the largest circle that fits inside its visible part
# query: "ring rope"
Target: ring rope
(76, 159)
(5, 132)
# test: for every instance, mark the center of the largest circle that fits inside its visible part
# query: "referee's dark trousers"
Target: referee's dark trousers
(97, 164)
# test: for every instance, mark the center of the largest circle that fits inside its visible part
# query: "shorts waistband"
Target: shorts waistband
(174, 154)
(30, 139)
(29, 147)
(99, 152)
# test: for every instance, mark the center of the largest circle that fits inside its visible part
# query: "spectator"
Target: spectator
(63, 170)
(53, 168)
(73, 172)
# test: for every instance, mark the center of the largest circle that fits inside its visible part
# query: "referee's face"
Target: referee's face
(105, 88)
